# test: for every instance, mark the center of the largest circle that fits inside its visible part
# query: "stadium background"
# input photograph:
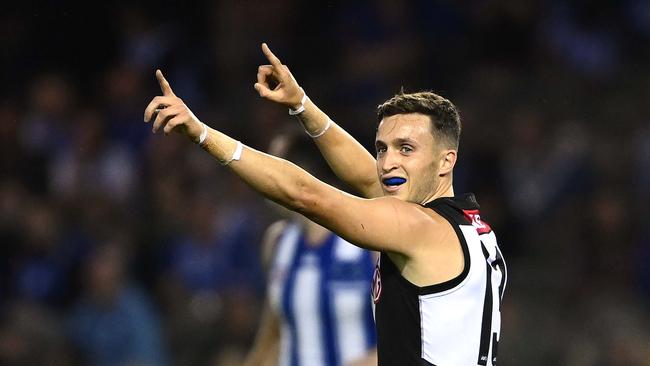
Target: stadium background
(119, 247)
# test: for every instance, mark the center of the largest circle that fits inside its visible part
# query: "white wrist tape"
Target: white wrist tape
(204, 134)
(321, 132)
(301, 108)
(236, 155)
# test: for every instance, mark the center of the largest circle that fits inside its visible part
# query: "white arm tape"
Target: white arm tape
(321, 132)
(236, 155)
(204, 134)
(302, 105)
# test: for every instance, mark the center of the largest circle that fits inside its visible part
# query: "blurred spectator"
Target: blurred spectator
(42, 131)
(31, 335)
(584, 37)
(91, 165)
(642, 196)
(208, 274)
(610, 331)
(143, 44)
(43, 269)
(113, 323)
(121, 95)
(543, 166)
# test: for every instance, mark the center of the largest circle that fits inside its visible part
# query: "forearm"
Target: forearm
(349, 160)
(265, 351)
(277, 179)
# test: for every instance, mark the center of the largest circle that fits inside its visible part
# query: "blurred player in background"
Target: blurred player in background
(318, 309)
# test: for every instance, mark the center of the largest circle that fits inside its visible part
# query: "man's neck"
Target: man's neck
(445, 189)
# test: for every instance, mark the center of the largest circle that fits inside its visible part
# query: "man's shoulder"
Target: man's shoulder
(434, 216)
(270, 240)
(429, 218)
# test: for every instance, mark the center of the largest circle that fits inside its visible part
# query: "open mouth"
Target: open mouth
(394, 181)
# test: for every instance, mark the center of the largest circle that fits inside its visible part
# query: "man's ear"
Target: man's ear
(447, 162)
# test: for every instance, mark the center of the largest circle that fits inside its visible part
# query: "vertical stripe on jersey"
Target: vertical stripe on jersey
(309, 333)
(350, 333)
(350, 327)
(495, 345)
(288, 313)
(285, 254)
(501, 264)
(486, 327)
(326, 312)
(346, 252)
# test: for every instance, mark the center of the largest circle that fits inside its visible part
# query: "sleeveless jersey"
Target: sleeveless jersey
(454, 323)
(323, 297)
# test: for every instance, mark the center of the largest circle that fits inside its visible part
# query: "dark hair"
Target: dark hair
(445, 119)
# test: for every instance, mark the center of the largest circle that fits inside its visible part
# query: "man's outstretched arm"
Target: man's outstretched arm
(349, 160)
(383, 224)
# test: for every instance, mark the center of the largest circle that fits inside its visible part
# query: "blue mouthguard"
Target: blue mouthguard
(394, 181)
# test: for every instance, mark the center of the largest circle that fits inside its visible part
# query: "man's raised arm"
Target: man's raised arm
(349, 160)
(383, 224)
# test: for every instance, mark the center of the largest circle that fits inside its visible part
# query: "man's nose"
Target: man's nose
(390, 161)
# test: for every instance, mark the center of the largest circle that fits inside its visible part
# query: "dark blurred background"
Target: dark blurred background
(120, 247)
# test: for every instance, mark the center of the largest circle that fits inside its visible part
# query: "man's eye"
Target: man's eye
(381, 150)
(406, 149)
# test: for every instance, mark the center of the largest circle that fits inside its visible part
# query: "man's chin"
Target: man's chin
(397, 194)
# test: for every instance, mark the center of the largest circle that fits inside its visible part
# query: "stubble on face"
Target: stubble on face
(410, 152)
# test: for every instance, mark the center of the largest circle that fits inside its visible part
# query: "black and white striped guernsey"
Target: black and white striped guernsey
(455, 323)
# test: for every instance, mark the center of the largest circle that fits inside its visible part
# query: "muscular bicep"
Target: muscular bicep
(383, 224)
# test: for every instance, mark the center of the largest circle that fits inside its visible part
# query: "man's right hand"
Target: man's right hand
(287, 91)
(349, 160)
(170, 113)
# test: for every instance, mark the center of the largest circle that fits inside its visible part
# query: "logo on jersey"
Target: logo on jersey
(376, 284)
(474, 218)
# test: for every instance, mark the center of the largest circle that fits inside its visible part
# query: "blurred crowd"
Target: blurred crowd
(120, 247)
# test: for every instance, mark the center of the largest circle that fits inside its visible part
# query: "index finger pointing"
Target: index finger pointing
(270, 56)
(164, 84)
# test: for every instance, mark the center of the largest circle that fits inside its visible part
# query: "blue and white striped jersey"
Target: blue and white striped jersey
(323, 297)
